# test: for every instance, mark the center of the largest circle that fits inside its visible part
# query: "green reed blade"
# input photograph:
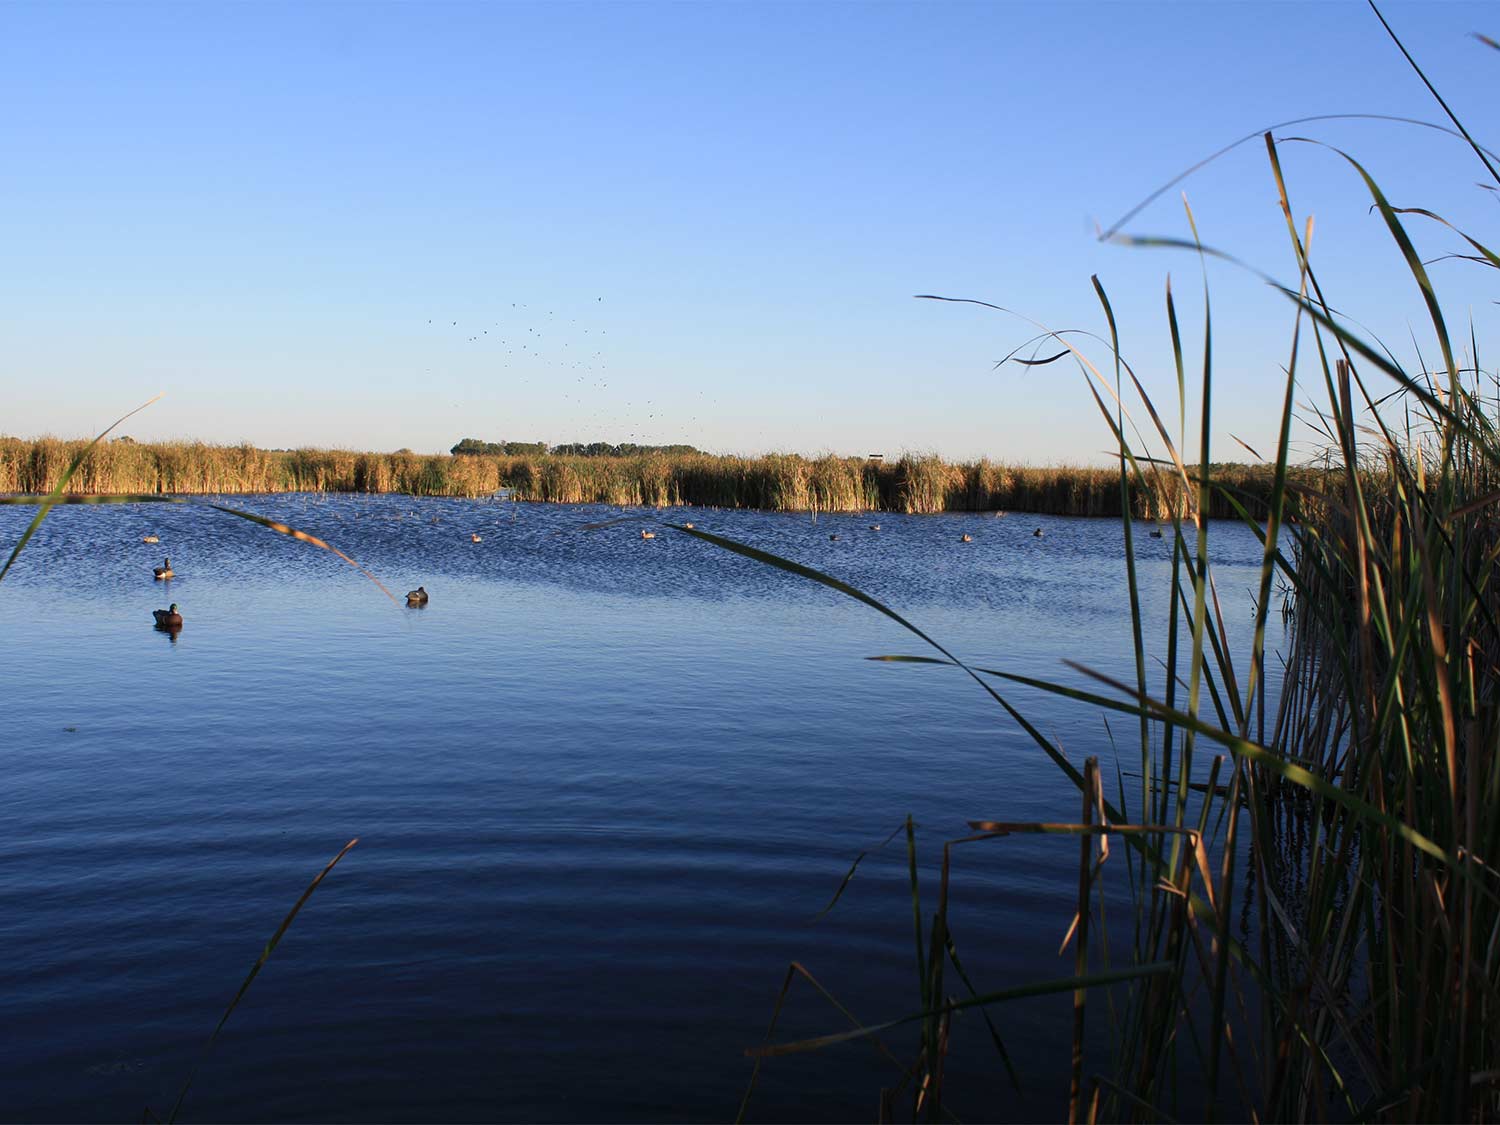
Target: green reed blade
(265, 955)
(62, 483)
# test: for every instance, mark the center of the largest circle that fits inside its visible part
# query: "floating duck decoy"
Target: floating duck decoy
(150, 539)
(167, 618)
(1156, 533)
(417, 597)
(163, 571)
(967, 538)
(1038, 533)
(832, 538)
(474, 538)
(688, 525)
(874, 527)
(648, 535)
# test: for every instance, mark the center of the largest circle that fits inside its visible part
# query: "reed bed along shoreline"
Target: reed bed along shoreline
(915, 484)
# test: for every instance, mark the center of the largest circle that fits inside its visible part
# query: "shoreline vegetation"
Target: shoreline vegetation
(912, 483)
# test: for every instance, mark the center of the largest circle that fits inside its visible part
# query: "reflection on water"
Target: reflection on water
(603, 786)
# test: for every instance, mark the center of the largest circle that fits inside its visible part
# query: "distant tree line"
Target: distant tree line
(572, 449)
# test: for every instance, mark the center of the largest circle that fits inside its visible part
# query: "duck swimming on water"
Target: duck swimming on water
(474, 538)
(417, 597)
(163, 571)
(967, 538)
(648, 535)
(1038, 533)
(167, 618)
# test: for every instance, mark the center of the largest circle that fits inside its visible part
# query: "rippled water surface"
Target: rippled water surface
(602, 786)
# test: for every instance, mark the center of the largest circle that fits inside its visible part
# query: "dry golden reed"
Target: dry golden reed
(774, 482)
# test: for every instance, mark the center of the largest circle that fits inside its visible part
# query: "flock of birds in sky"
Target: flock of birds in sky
(566, 361)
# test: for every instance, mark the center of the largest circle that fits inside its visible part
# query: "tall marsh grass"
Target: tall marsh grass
(1313, 880)
(775, 482)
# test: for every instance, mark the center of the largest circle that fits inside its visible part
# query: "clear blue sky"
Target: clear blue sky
(697, 222)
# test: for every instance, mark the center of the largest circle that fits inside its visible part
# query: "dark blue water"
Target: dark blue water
(602, 787)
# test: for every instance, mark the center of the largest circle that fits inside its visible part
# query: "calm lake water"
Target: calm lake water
(602, 786)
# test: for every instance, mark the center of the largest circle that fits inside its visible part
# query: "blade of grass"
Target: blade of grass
(62, 482)
(265, 955)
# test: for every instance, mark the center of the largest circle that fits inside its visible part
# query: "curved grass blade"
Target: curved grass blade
(1040, 362)
(1020, 992)
(285, 529)
(156, 498)
(62, 483)
(794, 970)
(1074, 774)
(265, 955)
(1114, 229)
(853, 867)
(1290, 771)
(1453, 117)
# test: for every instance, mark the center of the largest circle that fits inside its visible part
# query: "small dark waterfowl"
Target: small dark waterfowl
(167, 618)
(163, 571)
(1156, 533)
(874, 527)
(417, 597)
(150, 539)
(967, 538)
(1038, 533)
(833, 538)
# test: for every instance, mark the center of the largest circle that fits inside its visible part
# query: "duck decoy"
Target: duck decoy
(832, 538)
(1156, 533)
(1038, 533)
(967, 538)
(163, 571)
(474, 538)
(648, 535)
(417, 597)
(874, 527)
(150, 539)
(689, 526)
(167, 618)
